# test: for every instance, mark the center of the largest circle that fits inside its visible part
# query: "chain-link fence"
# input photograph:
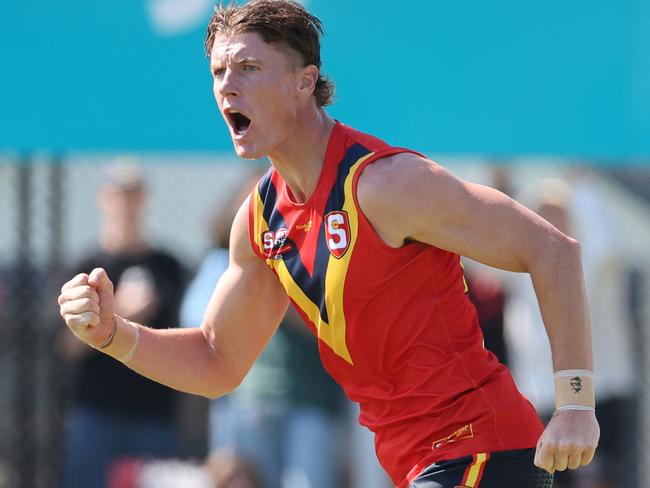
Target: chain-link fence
(48, 219)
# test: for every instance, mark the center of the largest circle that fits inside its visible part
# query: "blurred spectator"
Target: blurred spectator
(607, 280)
(227, 470)
(222, 469)
(5, 389)
(3, 293)
(284, 417)
(489, 297)
(115, 412)
(167, 473)
(362, 463)
(578, 211)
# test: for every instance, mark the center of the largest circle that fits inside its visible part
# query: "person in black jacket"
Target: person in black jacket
(114, 412)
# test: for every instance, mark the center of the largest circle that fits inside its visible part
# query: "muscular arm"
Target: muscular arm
(409, 198)
(406, 197)
(244, 311)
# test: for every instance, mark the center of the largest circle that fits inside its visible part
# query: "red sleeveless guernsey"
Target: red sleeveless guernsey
(396, 328)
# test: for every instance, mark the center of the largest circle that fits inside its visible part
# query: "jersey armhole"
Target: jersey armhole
(362, 216)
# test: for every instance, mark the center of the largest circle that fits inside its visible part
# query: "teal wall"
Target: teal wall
(499, 78)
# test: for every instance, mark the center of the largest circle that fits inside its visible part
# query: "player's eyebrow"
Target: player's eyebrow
(246, 59)
(235, 60)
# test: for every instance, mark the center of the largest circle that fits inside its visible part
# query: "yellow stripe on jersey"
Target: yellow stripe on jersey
(462, 265)
(334, 334)
(473, 472)
(259, 224)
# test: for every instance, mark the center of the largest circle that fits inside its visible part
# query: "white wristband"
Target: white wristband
(567, 373)
(576, 407)
(129, 355)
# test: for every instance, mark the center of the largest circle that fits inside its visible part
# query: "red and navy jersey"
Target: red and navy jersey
(396, 328)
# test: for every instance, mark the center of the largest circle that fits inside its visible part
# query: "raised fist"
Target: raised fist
(86, 303)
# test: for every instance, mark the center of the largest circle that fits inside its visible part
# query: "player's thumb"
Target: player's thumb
(98, 278)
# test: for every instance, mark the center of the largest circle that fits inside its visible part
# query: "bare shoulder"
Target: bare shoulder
(400, 176)
(394, 190)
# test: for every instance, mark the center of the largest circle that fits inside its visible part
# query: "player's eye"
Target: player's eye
(250, 67)
(218, 72)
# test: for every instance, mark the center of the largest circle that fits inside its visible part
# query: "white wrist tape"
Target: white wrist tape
(129, 355)
(574, 390)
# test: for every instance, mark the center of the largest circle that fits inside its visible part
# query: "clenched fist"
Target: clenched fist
(87, 305)
(569, 441)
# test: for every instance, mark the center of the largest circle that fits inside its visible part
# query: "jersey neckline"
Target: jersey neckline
(330, 156)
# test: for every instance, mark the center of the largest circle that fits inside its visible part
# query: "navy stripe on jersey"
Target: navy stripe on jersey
(275, 221)
(314, 286)
(268, 194)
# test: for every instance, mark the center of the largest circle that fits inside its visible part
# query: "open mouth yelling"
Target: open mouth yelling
(238, 122)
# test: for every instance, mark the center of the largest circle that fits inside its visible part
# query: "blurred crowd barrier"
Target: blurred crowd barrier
(49, 219)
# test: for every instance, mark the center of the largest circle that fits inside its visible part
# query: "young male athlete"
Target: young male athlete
(364, 239)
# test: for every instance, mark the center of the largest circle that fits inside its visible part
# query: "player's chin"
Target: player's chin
(246, 151)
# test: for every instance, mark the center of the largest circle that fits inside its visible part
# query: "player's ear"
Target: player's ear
(308, 76)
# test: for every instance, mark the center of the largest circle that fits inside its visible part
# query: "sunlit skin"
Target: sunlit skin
(261, 81)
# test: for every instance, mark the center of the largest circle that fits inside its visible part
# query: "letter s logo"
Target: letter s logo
(268, 239)
(337, 233)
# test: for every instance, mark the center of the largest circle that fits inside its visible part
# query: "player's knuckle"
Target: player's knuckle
(549, 447)
(85, 290)
(564, 448)
(72, 321)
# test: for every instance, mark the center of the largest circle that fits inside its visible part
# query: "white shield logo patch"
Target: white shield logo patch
(337, 233)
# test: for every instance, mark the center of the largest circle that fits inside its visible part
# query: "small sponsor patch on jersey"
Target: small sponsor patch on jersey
(306, 226)
(465, 432)
(337, 232)
(275, 243)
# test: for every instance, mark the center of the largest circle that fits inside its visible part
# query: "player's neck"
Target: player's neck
(300, 161)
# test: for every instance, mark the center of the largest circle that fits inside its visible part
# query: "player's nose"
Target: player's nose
(227, 84)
